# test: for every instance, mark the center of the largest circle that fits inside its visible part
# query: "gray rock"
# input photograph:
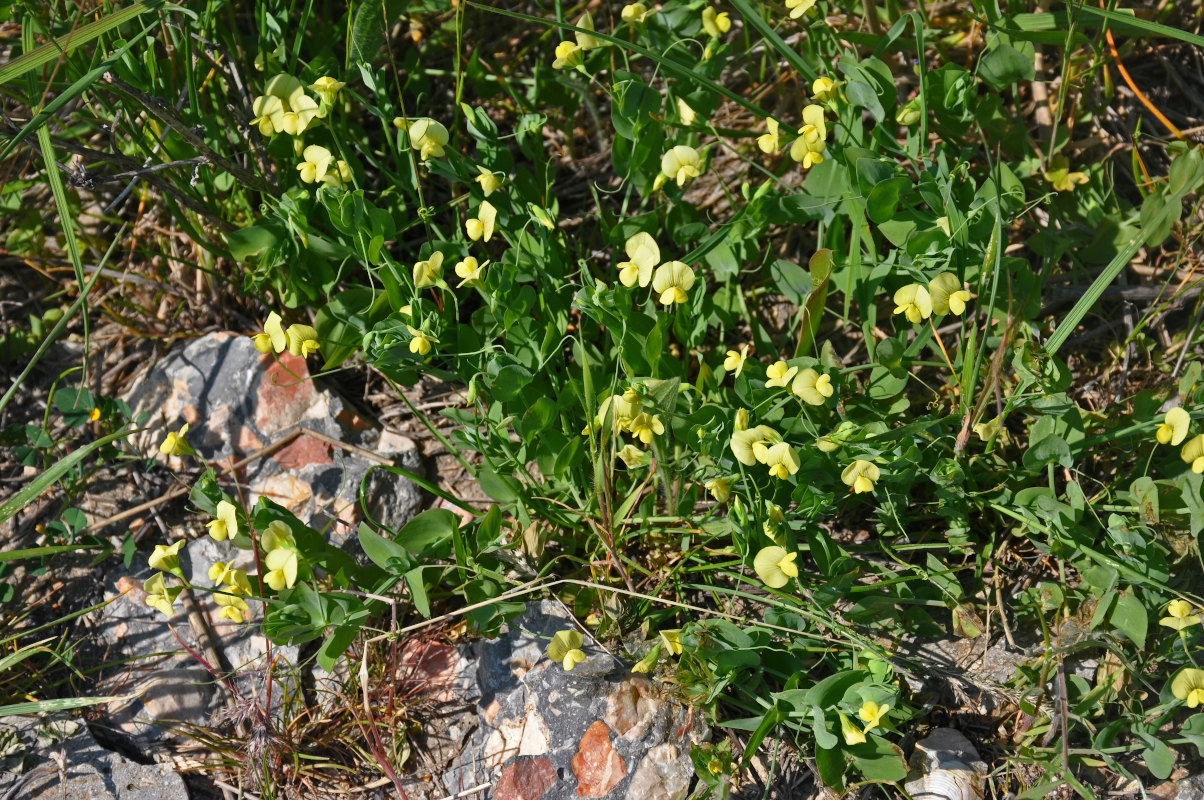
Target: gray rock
(597, 731)
(62, 761)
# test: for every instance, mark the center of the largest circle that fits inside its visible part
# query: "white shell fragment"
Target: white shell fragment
(946, 766)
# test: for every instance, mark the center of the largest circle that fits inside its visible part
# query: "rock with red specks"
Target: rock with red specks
(598, 731)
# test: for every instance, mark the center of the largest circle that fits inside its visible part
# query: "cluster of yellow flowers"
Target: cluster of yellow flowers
(565, 648)
(284, 107)
(671, 281)
(571, 55)
(808, 149)
(298, 339)
(1173, 430)
(762, 444)
(945, 294)
(624, 413)
(427, 137)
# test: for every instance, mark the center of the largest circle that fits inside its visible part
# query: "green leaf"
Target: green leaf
(372, 20)
(417, 588)
(1130, 618)
(884, 198)
(335, 645)
(792, 281)
(509, 381)
(426, 529)
(1004, 65)
(503, 489)
(254, 240)
(385, 553)
(768, 722)
(879, 760)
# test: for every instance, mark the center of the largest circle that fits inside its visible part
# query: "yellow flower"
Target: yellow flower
(908, 114)
(814, 388)
(632, 456)
(568, 55)
(158, 596)
(266, 108)
(277, 535)
(565, 647)
(1188, 686)
(779, 374)
(231, 606)
(775, 567)
(871, 714)
(687, 115)
(715, 23)
(489, 181)
(672, 281)
(821, 89)
(781, 460)
(860, 476)
(295, 120)
(302, 340)
(770, 143)
(420, 343)
(799, 7)
(914, 302)
(326, 88)
(1173, 429)
(645, 426)
(642, 255)
(618, 411)
(481, 227)
(470, 271)
(584, 40)
(808, 148)
(740, 422)
(720, 489)
(542, 216)
(634, 13)
(746, 443)
(1193, 453)
(734, 362)
(272, 337)
(852, 734)
(681, 164)
(427, 136)
(429, 272)
(672, 641)
(226, 524)
(1181, 615)
(317, 160)
(167, 557)
(1060, 176)
(282, 568)
(838, 437)
(94, 415)
(174, 444)
(646, 663)
(947, 294)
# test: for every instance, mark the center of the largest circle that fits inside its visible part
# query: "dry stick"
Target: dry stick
(1145, 101)
(179, 491)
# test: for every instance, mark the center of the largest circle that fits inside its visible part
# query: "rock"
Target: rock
(598, 731)
(237, 401)
(62, 761)
(946, 766)
(1190, 788)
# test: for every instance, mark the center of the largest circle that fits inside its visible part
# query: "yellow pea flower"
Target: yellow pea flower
(282, 566)
(488, 180)
(1180, 615)
(779, 374)
(852, 734)
(909, 113)
(681, 163)
(470, 271)
(266, 108)
(775, 567)
(740, 422)
(860, 476)
(770, 143)
(719, 488)
(159, 596)
(167, 557)
(746, 443)
(277, 535)
(272, 337)
(420, 343)
(672, 282)
(871, 714)
(296, 119)
(565, 647)
(481, 227)
(317, 160)
(646, 663)
(338, 176)
(1188, 686)
(734, 362)
(632, 456)
(429, 272)
(687, 115)
(326, 88)
(1193, 453)
(672, 640)
(1060, 176)
(834, 440)
(799, 7)
(302, 340)
(231, 606)
(645, 426)
(781, 460)
(174, 444)
(1173, 429)
(914, 302)
(948, 295)
(808, 148)
(635, 13)
(618, 411)
(715, 23)
(643, 253)
(427, 136)
(584, 40)
(569, 55)
(822, 89)
(94, 414)
(813, 387)
(226, 524)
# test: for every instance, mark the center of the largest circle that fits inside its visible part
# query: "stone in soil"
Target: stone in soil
(598, 731)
